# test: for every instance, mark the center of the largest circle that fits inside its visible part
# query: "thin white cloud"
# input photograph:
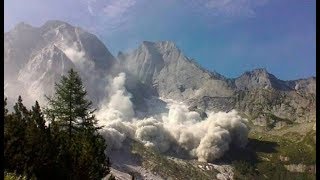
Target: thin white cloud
(118, 8)
(229, 8)
(90, 10)
(113, 14)
(89, 4)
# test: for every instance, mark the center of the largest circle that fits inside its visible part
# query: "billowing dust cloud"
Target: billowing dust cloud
(177, 130)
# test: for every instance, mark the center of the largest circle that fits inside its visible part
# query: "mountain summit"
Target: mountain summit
(35, 56)
(164, 67)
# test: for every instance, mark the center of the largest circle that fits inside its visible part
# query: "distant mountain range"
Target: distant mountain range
(36, 57)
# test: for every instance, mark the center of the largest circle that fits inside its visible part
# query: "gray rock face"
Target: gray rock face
(225, 104)
(259, 79)
(163, 67)
(80, 45)
(145, 62)
(280, 105)
(43, 70)
(304, 86)
(284, 102)
(19, 44)
(35, 57)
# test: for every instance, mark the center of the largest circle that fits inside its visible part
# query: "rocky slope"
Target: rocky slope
(272, 101)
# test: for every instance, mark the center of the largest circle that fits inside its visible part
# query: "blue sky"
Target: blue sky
(226, 36)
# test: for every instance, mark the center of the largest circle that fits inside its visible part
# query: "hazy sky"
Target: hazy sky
(227, 36)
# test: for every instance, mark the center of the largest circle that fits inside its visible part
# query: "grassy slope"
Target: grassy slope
(261, 159)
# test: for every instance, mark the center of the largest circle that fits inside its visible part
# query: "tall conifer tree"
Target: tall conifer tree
(69, 107)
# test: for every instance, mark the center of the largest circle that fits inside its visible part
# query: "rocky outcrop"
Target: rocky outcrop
(301, 168)
(284, 158)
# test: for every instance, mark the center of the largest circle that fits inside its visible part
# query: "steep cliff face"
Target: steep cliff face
(43, 70)
(35, 57)
(163, 66)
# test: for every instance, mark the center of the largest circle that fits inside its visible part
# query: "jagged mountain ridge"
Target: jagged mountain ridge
(151, 57)
(38, 55)
(162, 66)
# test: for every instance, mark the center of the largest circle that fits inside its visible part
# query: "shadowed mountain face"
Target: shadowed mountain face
(36, 57)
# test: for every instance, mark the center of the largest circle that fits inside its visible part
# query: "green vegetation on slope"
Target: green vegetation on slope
(267, 150)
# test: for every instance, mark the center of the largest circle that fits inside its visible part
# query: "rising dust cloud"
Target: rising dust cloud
(178, 129)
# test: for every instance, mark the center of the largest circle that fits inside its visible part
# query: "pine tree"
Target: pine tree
(83, 154)
(20, 111)
(69, 106)
(37, 117)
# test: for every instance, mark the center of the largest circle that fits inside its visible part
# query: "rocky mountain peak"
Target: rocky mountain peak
(53, 24)
(257, 72)
(148, 43)
(162, 47)
(166, 45)
(164, 67)
(41, 54)
(148, 47)
(169, 44)
(260, 70)
(259, 78)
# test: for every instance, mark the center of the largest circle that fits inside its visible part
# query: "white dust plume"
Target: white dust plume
(175, 130)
